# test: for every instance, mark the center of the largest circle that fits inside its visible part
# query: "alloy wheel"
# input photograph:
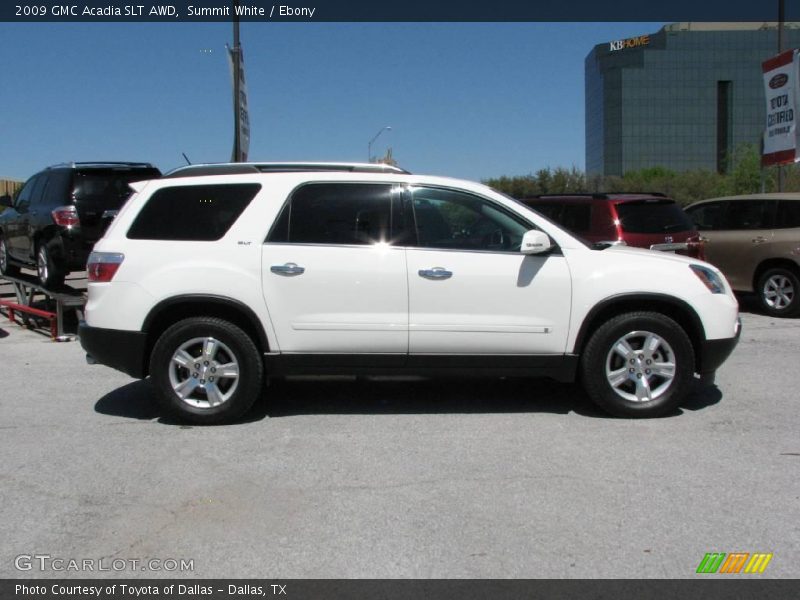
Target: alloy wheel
(204, 372)
(778, 292)
(640, 366)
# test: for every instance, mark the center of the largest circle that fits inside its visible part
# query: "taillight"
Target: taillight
(66, 216)
(696, 247)
(102, 266)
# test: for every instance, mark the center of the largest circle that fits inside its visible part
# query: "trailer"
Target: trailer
(23, 297)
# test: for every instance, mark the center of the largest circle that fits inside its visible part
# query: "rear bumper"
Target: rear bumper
(115, 348)
(715, 352)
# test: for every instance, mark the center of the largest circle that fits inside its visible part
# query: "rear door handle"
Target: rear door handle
(435, 273)
(287, 269)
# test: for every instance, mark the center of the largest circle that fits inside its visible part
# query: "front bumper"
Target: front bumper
(714, 352)
(115, 348)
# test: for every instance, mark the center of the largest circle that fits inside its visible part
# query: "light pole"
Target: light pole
(369, 146)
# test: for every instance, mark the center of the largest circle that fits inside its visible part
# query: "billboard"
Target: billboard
(781, 91)
(240, 106)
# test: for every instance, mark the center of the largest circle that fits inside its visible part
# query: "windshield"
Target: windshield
(653, 217)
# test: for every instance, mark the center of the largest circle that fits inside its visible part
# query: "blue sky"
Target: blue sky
(464, 100)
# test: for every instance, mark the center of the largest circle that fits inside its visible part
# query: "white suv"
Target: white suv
(217, 276)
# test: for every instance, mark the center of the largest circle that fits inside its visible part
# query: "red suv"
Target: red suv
(643, 220)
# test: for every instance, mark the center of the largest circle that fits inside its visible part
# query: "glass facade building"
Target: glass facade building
(682, 98)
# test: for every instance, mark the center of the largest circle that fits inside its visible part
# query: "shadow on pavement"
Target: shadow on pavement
(338, 396)
(3, 333)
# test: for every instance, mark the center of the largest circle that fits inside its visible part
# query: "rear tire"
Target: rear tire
(638, 364)
(6, 268)
(206, 370)
(778, 291)
(51, 275)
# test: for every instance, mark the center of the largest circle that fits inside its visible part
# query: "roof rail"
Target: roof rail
(283, 167)
(100, 163)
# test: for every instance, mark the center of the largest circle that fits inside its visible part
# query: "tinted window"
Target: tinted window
(652, 217)
(707, 217)
(192, 213)
(449, 219)
(575, 217)
(109, 186)
(57, 192)
(24, 197)
(788, 214)
(749, 214)
(336, 213)
(42, 183)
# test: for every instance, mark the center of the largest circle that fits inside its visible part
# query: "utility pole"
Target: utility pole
(236, 50)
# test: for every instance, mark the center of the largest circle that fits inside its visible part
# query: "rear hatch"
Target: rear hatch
(659, 223)
(100, 192)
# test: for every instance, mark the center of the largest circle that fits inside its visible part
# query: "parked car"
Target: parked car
(642, 220)
(755, 240)
(215, 276)
(60, 213)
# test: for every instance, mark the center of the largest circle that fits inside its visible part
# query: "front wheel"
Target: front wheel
(638, 365)
(778, 289)
(206, 370)
(6, 268)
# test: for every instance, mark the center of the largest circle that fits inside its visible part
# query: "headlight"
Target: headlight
(710, 279)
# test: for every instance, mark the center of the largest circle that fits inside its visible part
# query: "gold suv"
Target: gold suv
(755, 241)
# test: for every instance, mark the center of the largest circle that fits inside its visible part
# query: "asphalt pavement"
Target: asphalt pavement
(342, 478)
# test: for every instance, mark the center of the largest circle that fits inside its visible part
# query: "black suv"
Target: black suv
(60, 213)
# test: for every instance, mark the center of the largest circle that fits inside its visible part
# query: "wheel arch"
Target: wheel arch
(772, 263)
(675, 308)
(170, 311)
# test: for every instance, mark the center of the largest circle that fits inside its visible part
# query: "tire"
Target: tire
(6, 268)
(231, 396)
(621, 387)
(51, 275)
(778, 290)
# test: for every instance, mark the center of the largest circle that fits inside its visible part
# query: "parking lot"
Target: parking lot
(338, 478)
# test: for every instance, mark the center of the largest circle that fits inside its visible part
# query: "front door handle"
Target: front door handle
(435, 273)
(287, 269)
(759, 239)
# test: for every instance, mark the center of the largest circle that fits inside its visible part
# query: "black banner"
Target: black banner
(407, 10)
(732, 588)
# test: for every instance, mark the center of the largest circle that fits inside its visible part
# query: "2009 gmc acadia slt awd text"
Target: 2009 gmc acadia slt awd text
(217, 276)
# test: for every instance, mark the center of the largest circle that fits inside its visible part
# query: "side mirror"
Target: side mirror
(535, 242)
(5, 200)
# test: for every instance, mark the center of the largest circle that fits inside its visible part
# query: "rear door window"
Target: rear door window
(352, 214)
(200, 213)
(652, 217)
(788, 214)
(750, 214)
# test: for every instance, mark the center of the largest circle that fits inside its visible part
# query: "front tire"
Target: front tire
(6, 268)
(778, 291)
(638, 364)
(206, 370)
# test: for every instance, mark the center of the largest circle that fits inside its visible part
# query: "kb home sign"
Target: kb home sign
(634, 42)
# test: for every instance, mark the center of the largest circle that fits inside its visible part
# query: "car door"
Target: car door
(16, 226)
(471, 291)
(334, 278)
(739, 236)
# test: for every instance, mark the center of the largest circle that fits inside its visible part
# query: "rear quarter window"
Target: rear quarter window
(199, 213)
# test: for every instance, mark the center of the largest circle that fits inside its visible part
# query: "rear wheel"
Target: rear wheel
(778, 291)
(206, 370)
(49, 272)
(6, 268)
(638, 365)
